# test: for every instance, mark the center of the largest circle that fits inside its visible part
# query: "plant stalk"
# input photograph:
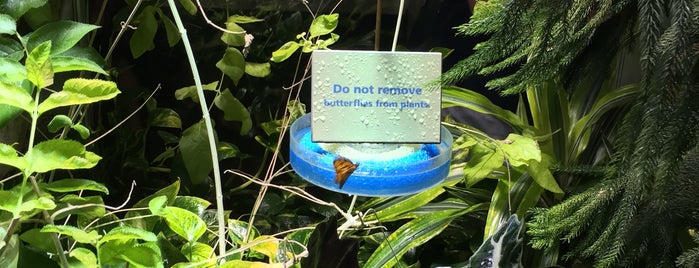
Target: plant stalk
(209, 131)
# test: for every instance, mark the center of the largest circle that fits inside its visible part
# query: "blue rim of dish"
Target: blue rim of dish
(406, 174)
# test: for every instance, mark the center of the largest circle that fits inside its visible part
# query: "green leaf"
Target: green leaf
(157, 205)
(194, 147)
(234, 110)
(11, 70)
(11, 49)
(243, 19)
(228, 150)
(483, 160)
(142, 39)
(285, 51)
(236, 39)
(199, 252)
(191, 91)
(41, 203)
(71, 63)
(8, 201)
(265, 244)
(184, 223)
(62, 34)
(10, 255)
(146, 255)
(16, 96)
(248, 264)
(17, 8)
(410, 235)
(520, 150)
(38, 240)
(7, 24)
(325, 43)
(164, 117)
(87, 208)
(80, 91)
(189, 6)
(125, 233)
(9, 156)
(171, 31)
(192, 204)
(232, 64)
(455, 96)
(85, 257)
(60, 154)
(257, 69)
(542, 175)
(323, 24)
(238, 229)
(39, 70)
(77, 234)
(74, 185)
(58, 122)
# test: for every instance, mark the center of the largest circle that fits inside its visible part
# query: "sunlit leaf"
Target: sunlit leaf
(265, 244)
(243, 19)
(519, 150)
(11, 70)
(285, 51)
(191, 91)
(323, 24)
(7, 24)
(125, 233)
(60, 154)
(194, 148)
(196, 252)
(10, 157)
(80, 91)
(70, 63)
(17, 8)
(74, 185)
(483, 160)
(77, 234)
(249, 264)
(184, 223)
(39, 70)
(257, 69)
(85, 257)
(63, 35)
(58, 122)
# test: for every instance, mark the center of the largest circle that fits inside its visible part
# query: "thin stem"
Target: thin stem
(377, 28)
(209, 131)
(400, 17)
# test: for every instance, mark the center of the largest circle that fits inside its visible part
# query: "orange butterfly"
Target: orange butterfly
(343, 169)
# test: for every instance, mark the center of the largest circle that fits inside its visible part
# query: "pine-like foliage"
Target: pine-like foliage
(650, 193)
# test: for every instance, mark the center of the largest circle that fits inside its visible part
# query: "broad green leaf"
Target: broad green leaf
(325, 43)
(519, 150)
(58, 122)
(191, 91)
(164, 117)
(125, 233)
(8, 201)
(236, 39)
(455, 96)
(157, 205)
(323, 24)
(149, 222)
(11, 70)
(62, 34)
(285, 51)
(228, 150)
(146, 255)
(7, 24)
(39, 240)
(142, 39)
(74, 185)
(194, 147)
(542, 175)
(171, 31)
(192, 204)
(257, 69)
(80, 91)
(11, 49)
(234, 110)
(17, 8)
(189, 6)
(237, 230)
(9, 156)
(232, 64)
(197, 252)
(249, 264)
(184, 223)
(243, 19)
(41, 203)
(70, 63)
(60, 154)
(483, 160)
(84, 257)
(265, 244)
(39, 70)
(77, 234)
(10, 254)
(87, 208)
(300, 236)
(410, 235)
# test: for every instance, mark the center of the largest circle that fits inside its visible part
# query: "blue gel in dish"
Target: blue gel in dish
(384, 169)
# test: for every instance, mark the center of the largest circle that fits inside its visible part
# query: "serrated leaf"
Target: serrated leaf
(63, 35)
(142, 39)
(194, 147)
(323, 24)
(16, 96)
(257, 69)
(77, 234)
(232, 64)
(236, 39)
(164, 117)
(41, 203)
(184, 223)
(8, 201)
(7, 24)
(11, 70)
(60, 154)
(74, 185)
(39, 70)
(80, 91)
(85, 257)
(58, 122)
(285, 51)
(243, 19)
(70, 63)
(10, 157)
(126, 233)
(191, 91)
(234, 110)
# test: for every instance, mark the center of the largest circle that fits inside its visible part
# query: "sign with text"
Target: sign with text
(375, 96)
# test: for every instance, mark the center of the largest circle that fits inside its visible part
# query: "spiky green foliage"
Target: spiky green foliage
(541, 37)
(634, 215)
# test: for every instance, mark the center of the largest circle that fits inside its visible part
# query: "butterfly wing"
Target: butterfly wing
(343, 169)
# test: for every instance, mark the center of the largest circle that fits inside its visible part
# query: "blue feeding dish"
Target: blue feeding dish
(384, 169)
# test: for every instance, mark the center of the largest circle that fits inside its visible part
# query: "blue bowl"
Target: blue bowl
(384, 169)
